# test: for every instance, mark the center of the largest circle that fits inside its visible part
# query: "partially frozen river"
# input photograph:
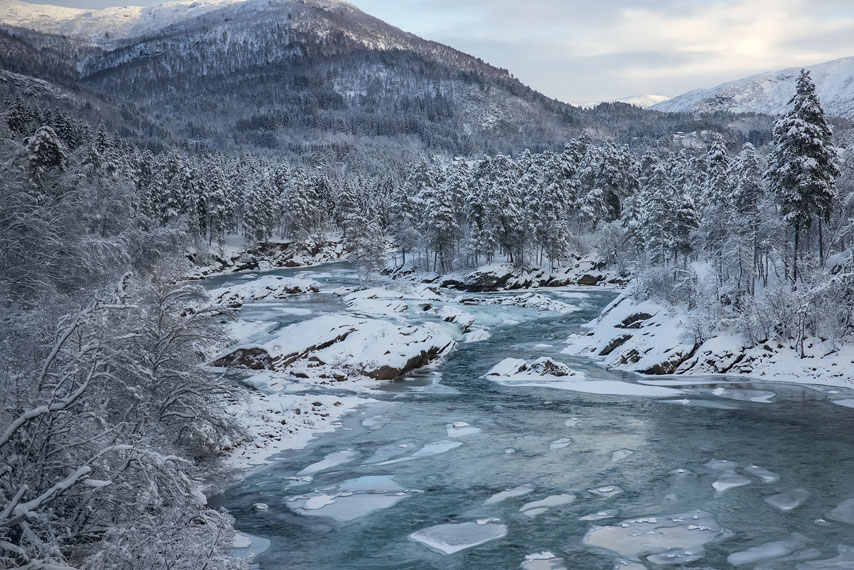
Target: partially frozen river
(452, 470)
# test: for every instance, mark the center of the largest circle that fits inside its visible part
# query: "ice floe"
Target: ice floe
(560, 443)
(730, 481)
(767, 551)
(519, 491)
(843, 513)
(621, 454)
(331, 460)
(664, 540)
(451, 538)
(600, 515)
(461, 429)
(351, 499)
(543, 561)
(607, 491)
(428, 450)
(844, 560)
(535, 508)
(789, 500)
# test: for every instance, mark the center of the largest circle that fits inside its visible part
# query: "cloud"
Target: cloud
(580, 50)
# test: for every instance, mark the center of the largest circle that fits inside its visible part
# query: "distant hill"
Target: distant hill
(770, 92)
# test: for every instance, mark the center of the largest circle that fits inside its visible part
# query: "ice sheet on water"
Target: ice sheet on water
(757, 396)
(762, 473)
(844, 560)
(600, 515)
(248, 546)
(789, 500)
(391, 451)
(560, 443)
(351, 499)
(461, 429)
(476, 334)
(428, 450)
(519, 491)
(572, 422)
(531, 513)
(374, 423)
(694, 403)
(330, 461)
(607, 491)
(767, 551)
(730, 481)
(843, 513)
(672, 539)
(621, 454)
(543, 561)
(722, 465)
(451, 538)
(550, 501)
(846, 403)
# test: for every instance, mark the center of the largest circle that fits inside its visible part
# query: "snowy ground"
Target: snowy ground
(654, 338)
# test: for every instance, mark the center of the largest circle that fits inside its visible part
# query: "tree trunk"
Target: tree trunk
(795, 258)
(820, 243)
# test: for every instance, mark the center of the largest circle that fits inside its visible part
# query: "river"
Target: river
(728, 474)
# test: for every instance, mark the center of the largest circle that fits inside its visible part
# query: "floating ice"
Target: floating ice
(607, 491)
(843, 513)
(758, 396)
(789, 500)
(694, 403)
(681, 472)
(762, 473)
(628, 565)
(260, 506)
(560, 443)
(621, 454)
(351, 499)
(534, 512)
(674, 539)
(846, 403)
(461, 429)
(519, 491)
(509, 451)
(722, 465)
(730, 481)
(551, 501)
(572, 422)
(241, 540)
(543, 561)
(375, 422)
(767, 551)
(600, 515)
(844, 560)
(331, 460)
(428, 450)
(391, 451)
(451, 538)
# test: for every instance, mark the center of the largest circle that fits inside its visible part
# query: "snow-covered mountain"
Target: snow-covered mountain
(770, 92)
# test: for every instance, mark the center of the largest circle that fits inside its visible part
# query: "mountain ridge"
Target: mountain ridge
(770, 92)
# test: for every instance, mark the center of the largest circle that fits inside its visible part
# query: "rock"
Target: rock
(614, 345)
(590, 280)
(252, 358)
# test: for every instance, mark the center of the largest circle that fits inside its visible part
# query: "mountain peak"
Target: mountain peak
(110, 25)
(770, 92)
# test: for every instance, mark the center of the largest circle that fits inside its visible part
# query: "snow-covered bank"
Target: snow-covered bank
(505, 277)
(656, 338)
(340, 347)
(266, 255)
(278, 422)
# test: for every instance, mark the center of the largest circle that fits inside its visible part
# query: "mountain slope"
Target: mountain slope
(770, 92)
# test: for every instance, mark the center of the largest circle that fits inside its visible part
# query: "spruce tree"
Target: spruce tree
(802, 168)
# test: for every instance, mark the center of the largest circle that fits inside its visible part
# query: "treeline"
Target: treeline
(107, 419)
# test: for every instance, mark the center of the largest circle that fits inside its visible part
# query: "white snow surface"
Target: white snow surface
(770, 92)
(656, 338)
(263, 288)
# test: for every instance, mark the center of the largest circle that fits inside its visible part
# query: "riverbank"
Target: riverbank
(656, 338)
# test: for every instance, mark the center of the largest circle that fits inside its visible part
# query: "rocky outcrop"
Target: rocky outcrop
(251, 358)
(504, 277)
(267, 255)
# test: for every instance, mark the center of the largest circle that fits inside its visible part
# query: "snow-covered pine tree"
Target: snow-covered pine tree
(802, 167)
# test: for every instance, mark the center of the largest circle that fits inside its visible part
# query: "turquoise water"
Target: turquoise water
(661, 466)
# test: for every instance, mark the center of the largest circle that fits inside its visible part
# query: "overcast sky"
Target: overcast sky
(592, 50)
